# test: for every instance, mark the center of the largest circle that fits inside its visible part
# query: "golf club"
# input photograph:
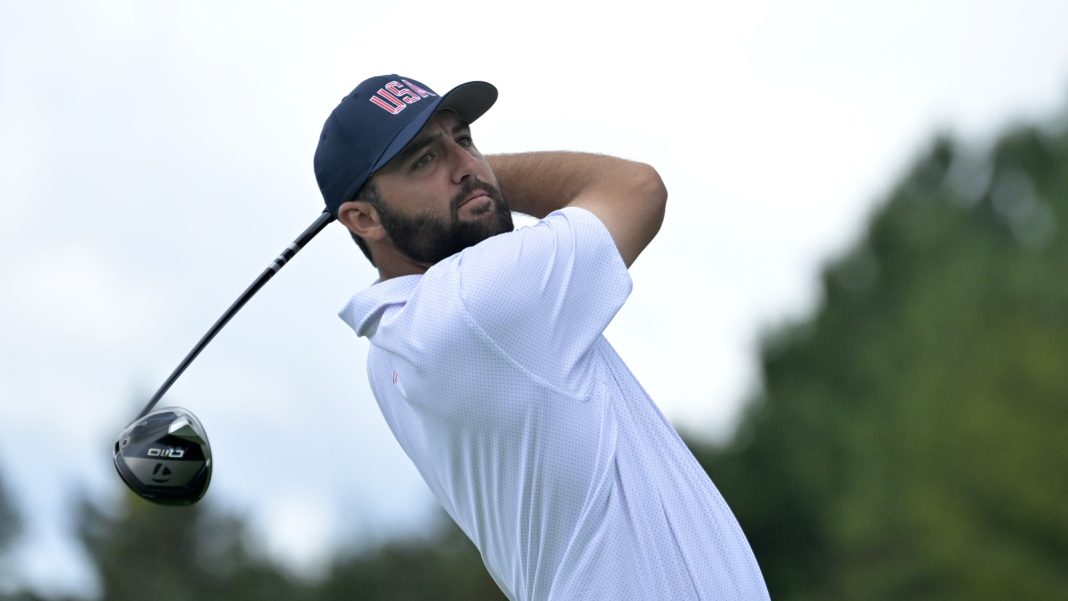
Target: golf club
(164, 455)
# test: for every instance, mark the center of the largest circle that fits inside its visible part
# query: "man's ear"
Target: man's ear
(362, 219)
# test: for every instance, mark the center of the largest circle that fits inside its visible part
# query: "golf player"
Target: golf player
(488, 358)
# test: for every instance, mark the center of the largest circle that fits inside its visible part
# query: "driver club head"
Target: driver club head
(164, 457)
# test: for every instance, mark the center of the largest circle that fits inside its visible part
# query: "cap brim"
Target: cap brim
(469, 100)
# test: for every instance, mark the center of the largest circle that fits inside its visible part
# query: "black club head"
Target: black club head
(164, 457)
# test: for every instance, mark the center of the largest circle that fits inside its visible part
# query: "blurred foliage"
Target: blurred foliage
(10, 526)
(10, 521)
(909, 441)
(177, 554)
(193, 553)
(446, 566)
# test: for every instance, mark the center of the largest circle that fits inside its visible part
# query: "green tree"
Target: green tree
(10, 526)
(143, 550)
(908, 443)
(444, 566)
(190, 553)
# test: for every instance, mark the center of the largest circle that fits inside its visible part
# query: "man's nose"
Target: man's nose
(465, 164)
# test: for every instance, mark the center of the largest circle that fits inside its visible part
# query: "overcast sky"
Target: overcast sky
(155, 157)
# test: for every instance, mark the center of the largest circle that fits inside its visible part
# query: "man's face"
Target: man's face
(439, 195)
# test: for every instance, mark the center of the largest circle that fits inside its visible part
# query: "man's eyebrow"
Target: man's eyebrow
(420, 143)
(416, 146)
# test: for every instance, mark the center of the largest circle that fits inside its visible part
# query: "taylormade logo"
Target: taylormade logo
(396, 95)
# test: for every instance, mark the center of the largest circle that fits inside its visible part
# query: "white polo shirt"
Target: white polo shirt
(493, 373)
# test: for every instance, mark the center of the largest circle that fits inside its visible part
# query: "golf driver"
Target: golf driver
(164, 455)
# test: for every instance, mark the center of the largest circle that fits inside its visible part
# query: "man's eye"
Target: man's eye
(424, 160)
(465, 141)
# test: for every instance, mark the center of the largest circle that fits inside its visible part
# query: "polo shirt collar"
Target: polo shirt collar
(365, 308)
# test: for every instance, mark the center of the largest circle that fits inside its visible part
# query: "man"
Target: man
(488, 358)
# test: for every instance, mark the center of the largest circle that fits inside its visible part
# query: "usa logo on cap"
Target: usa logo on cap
(395, 97)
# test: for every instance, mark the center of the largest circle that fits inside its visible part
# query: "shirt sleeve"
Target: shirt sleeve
(544, 294)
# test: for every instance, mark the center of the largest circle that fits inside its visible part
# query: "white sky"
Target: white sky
(155, 157)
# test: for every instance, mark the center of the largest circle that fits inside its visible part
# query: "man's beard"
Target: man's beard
(429, 239)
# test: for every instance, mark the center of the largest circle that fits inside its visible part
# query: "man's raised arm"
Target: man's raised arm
(628, 197)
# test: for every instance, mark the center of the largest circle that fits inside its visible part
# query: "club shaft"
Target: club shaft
(287, 254)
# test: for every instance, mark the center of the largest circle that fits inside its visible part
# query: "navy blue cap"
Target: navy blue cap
(376, 121)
